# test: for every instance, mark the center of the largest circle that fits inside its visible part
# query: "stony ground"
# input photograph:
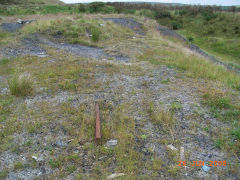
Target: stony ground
(145, 107)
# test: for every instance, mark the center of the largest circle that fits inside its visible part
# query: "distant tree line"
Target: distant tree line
(170, 13)
(193, 9)
(156, 10)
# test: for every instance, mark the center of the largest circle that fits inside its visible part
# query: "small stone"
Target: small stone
(61, 143)
(172, 147)
(38, 159)
(111, 143)
(115, 175)
(205, 168)
(19, 21)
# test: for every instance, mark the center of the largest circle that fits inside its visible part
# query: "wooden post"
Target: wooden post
(98, 125)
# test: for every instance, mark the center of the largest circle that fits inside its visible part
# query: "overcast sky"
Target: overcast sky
(202, 2)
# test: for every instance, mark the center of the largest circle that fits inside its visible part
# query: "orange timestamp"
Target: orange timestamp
(202, 163)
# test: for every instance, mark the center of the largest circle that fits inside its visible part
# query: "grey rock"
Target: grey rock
(61, 143)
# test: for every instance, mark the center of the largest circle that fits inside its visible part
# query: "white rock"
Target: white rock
(111, 143)
(37, 159)
(19, 21)
(172, 147)
(115, 175)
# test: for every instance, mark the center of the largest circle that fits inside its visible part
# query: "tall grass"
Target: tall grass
(193, 65)
(21, 85)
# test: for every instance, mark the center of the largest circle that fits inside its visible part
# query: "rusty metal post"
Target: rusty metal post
(98, 124)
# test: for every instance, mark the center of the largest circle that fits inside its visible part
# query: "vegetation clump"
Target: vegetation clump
(21, 85)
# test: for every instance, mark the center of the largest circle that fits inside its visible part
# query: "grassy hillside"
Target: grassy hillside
(162, 95)
(217, 33)
(214, 29)
(33, 2)
(161, 102)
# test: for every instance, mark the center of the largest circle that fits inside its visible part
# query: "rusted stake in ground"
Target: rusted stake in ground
(98, 125)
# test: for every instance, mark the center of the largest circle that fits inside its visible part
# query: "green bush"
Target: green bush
(183, 12)
(95, 7)
(108, 9)
(162, 14)
(176, 26)
(209, 15)
(20, 85)
(82, 8)
(190, 39)
(95, 34)
(147, 13)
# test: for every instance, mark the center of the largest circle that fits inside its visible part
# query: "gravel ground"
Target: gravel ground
(122, 88)
(32, 46)
(13, 27)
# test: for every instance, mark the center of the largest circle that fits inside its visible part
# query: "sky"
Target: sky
(202, 2)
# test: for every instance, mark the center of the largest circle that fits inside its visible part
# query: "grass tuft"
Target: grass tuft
(21, 85)
(18, 165)
(3, 174)
(236, 133)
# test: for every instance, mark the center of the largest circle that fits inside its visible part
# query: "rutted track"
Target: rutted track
(32, 45)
